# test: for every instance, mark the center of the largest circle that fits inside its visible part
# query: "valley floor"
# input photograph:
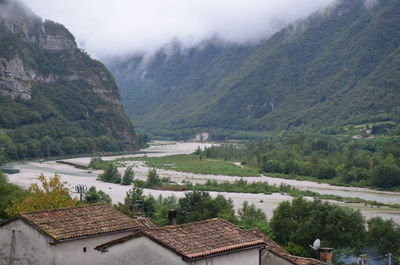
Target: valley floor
(29, 171)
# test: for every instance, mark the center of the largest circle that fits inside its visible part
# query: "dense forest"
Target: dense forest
(335, 69)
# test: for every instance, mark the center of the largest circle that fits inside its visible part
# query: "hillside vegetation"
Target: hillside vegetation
(54, 99)
(333, 70)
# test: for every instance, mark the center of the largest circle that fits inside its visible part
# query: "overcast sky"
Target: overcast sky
(119, 27)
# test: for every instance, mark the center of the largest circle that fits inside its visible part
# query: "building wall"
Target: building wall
(24, 246)
(270, 258)
(71, 252)
(248, 257)
(139, 251)
(30, 247)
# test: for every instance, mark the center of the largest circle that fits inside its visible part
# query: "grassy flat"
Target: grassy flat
(193, 164)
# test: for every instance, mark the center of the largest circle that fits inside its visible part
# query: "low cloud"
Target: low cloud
(120, 27)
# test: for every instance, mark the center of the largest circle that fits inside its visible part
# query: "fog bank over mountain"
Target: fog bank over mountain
(121, 27)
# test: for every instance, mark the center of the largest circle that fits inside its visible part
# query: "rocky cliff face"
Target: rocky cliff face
(16, 77)
(41, 65)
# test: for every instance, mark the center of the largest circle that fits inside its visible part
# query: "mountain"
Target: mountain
(54, 99)
(337, 68)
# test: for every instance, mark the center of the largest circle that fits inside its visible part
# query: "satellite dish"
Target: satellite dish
(316, 245)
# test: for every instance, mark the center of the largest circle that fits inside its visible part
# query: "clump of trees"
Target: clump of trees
(49, 194)
(137, 204)
(97, 196)
(153, 179)
(298, 223)
(340, 160)
(111, 173)
(199, 205)
(336, 226)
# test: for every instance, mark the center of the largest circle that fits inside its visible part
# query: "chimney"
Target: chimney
(362, 259)
(326, 255)
(172, 217)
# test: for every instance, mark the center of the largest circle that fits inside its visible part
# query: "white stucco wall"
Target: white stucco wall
(71, 252)
(32, 247)
(144, 251)
(28, 246)
(140, 251)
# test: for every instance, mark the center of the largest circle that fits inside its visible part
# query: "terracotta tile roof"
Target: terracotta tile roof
(307, 261)
(199, 239)
(83, 221)
(271, 245)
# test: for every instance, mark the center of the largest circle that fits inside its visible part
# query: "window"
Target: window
(84, 249)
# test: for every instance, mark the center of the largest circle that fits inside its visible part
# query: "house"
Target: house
(274, 254)
(63, 236)
(202, 137)
(214, 241)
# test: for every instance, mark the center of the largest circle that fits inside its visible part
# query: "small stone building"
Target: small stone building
(213, 241)
(63, 236)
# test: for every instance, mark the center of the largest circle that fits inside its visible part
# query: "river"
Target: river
(29, 171)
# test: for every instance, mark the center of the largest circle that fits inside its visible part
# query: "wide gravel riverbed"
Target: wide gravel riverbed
(29, 171)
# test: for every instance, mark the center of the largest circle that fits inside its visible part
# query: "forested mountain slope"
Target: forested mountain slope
(54, 99)
(334, 69)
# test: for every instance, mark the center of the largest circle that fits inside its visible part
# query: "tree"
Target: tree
(162, 207)
(273, 166)
(386, 174)
(153, 179)
(324, 171)
(384, 236)
(49, 147)
(250, 217)
(301, 222)
(136, 204)
(198, 205)
(9, 193)
(94, 196)
(68, 145)
(128, 176)
(110, 174)
(50, 194)
(197, 151)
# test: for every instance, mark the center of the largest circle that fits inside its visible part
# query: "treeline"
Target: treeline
(50, 147)
(38, 128)
(341, 160)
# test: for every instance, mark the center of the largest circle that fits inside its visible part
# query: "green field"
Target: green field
(195, 164)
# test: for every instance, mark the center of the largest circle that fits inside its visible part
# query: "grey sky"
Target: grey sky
(119, 27)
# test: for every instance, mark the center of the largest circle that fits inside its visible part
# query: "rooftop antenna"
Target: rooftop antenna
(81, 189)
(316, 245)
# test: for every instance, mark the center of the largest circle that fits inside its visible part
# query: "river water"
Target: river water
(29, 171)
